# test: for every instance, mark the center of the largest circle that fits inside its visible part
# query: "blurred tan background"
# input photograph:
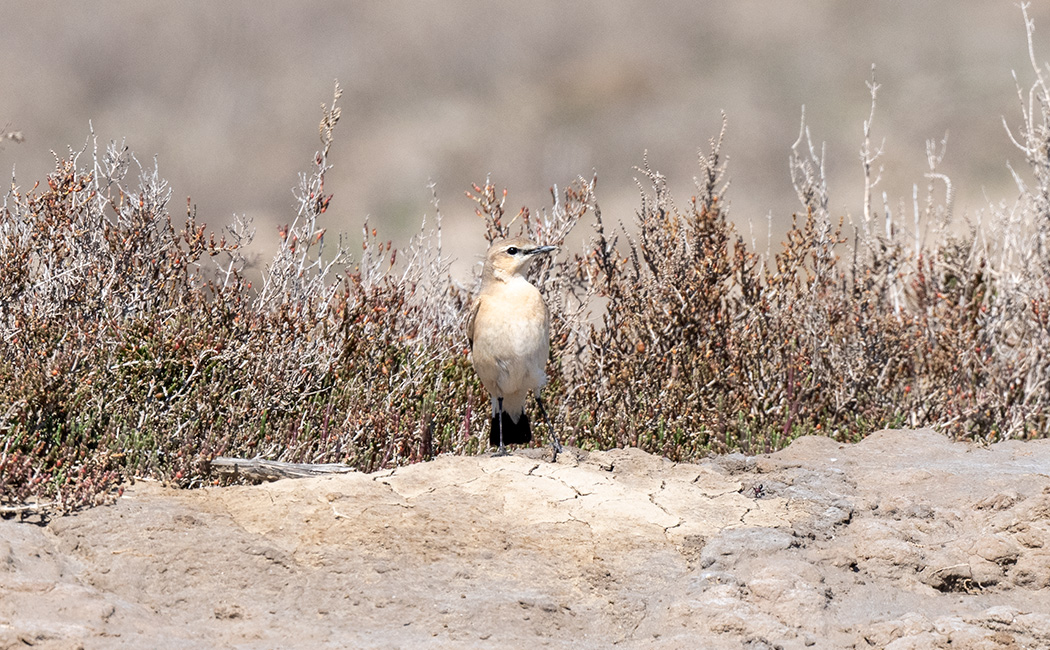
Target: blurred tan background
(227, 96)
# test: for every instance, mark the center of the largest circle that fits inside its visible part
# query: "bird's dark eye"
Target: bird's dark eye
(513, 250)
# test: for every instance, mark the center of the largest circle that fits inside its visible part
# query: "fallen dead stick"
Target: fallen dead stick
(29, 507)
(271, 470)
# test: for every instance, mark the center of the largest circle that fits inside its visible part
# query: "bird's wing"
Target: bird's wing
(471, 317)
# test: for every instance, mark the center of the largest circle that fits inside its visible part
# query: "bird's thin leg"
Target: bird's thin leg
(502, 450)
(555, 444)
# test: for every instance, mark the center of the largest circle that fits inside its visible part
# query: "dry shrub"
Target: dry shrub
(132, 345)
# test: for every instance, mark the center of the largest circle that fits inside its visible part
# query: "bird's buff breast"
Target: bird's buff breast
(517, 315)
(512, 339)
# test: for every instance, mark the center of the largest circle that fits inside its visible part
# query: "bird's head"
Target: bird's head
(511, 257)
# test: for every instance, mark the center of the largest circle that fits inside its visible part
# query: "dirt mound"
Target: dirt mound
(904, 540)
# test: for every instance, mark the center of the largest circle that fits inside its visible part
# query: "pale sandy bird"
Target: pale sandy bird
(509, 333)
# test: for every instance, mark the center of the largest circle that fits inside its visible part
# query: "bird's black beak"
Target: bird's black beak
(542, 249)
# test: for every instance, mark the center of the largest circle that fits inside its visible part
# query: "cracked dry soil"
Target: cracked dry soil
(905, 540)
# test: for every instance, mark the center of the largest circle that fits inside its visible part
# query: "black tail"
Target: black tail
(513, 434)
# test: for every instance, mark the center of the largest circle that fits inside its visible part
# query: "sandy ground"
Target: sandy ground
(904, 540)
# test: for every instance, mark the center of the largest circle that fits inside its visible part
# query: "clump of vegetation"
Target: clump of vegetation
(133, 344)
